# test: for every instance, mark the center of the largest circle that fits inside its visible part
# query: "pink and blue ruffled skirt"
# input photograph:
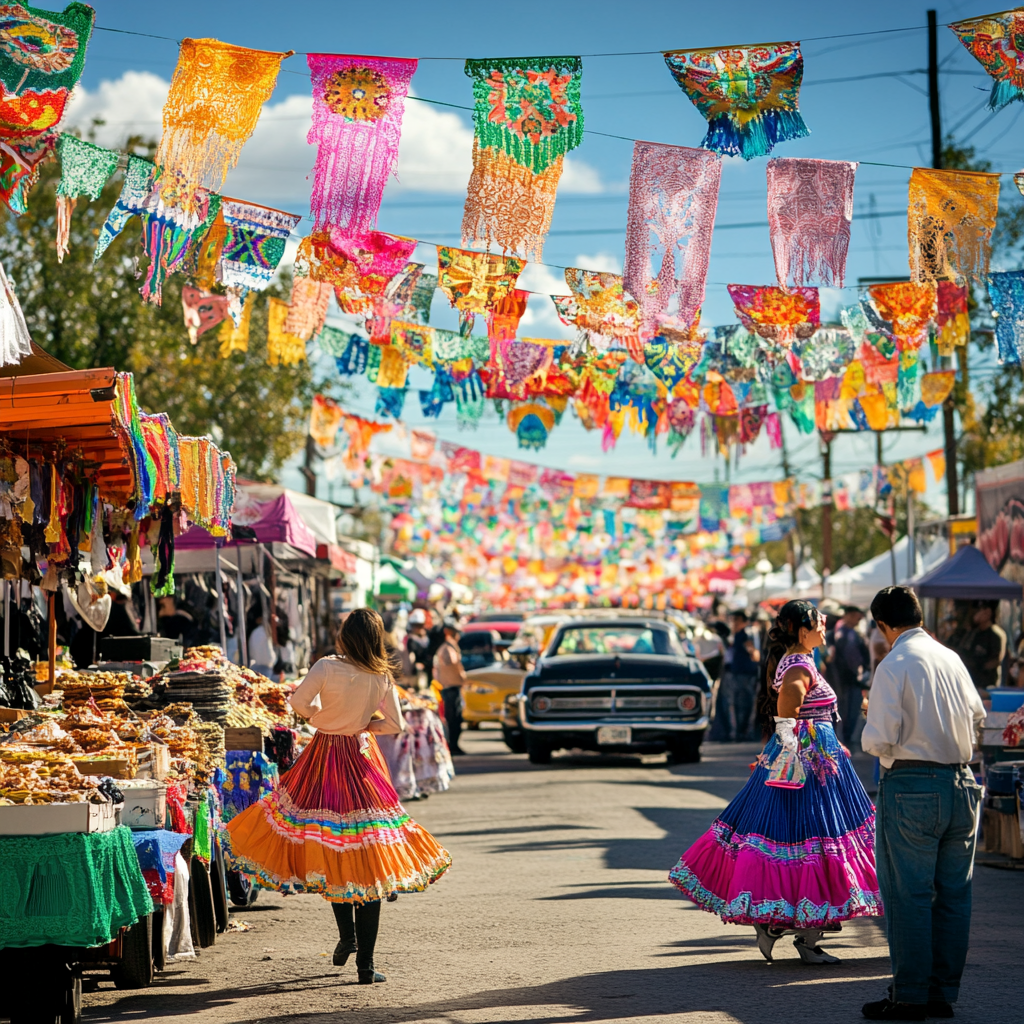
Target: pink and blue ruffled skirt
(797, 858)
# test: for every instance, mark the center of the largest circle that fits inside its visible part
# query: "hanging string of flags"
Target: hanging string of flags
(640, 356)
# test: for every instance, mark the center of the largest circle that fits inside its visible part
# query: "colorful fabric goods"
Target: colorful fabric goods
(953, 325)
(15, 342)
(1007, 293)
(283, 348)
(905, 308)
(599, 307)
(475, 282)
(779, 314)
(42, 54)
(673, 195)
(207, 484)
(236, 338)
(997, 41)
(84, 170)
(503, 320)
(249, 247)
(216, 97)
(20, 163)
(202, 310)
(335, 827)
(950, 221)
(810, 207)
(325, 418)
(135, 190)
(748, 95)
(790, 857)
(527, 116)
(357, 121)
(936, 386)
(307, 309)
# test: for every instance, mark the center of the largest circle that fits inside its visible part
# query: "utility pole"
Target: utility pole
(948, 423)
(306, 469)
(795, 555)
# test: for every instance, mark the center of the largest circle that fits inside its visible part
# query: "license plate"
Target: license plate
(609, 734)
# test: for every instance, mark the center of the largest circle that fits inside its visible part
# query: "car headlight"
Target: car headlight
(688, 702)
(541, 704)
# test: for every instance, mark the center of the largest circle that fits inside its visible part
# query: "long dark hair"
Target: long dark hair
(361, 640)
(785, 632)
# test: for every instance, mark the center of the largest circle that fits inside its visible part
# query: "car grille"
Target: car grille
(581, 703)
(646, 703)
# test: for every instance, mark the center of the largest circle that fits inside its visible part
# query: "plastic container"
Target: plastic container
(145, 804)
(1006, 698)
(1002, 778)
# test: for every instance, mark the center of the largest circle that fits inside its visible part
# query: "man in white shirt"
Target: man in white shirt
(923, 714)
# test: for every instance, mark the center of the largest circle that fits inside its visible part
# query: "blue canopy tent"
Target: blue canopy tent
(967, 576)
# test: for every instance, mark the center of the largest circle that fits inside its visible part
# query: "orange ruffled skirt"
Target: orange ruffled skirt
(335, 826)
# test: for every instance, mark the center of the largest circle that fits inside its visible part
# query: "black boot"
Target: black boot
(347, 930)
(367, 921)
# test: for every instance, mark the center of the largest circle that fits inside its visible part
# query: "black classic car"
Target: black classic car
(615, 686)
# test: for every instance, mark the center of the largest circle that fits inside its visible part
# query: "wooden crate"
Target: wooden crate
(116, 768)
(245, 738)
(13, 714)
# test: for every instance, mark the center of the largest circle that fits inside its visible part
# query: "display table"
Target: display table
(69, 889)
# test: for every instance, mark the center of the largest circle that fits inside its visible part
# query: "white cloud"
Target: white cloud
(435, 154)
(604, 260)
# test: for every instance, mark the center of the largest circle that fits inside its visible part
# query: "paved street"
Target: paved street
(558, 910)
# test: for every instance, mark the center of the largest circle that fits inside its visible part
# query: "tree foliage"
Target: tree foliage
(91, 315)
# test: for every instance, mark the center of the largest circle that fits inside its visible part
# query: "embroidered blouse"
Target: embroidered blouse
(820, 700)
(339, 698)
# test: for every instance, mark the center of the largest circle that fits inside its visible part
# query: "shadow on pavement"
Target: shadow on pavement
(749, 991)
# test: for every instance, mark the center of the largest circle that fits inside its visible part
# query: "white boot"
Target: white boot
(806, 944)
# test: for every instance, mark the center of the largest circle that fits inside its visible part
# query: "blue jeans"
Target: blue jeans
(926, 834)
(737, 702)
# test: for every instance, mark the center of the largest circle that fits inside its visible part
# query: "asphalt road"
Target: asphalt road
(557, 909)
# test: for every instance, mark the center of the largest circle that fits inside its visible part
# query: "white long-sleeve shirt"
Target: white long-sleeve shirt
(338, 697)
(923, 705)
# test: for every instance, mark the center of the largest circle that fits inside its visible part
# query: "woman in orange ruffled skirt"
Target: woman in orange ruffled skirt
(335, 825)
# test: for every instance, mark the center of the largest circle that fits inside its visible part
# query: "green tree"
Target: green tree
(91, 315)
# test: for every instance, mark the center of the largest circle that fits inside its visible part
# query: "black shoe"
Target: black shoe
(939, 1008)
(886, 1009)
(342, 951)
(369, 976)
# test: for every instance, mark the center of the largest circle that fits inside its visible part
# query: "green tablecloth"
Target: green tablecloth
(71, 889)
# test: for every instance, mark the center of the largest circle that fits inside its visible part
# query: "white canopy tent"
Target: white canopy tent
(859, 584)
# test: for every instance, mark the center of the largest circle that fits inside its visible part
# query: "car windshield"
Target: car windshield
(616, 640)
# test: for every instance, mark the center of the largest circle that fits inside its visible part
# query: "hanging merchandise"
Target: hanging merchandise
(527, 116)
(15, 342)
(85, 169)
(325, 417)
(202, 310)
(905, 310)
(748, 95)
(358, 104)
(997, 41)
(1006, 291)
(950, 219)
(952, 322)
(135, 189)
(779, 314)
(810, 207)
(42, 54)
(406, 297)
(475, 282)
(671, 361)
(673, 195)
(826, 353)
(216, 97)
(283, 349)
(307, 308)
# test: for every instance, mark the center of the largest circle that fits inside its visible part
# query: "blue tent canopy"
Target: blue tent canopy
(967, 576)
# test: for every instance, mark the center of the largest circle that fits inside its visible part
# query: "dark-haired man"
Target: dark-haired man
(923, 714)
(849, 664)
(983, 647)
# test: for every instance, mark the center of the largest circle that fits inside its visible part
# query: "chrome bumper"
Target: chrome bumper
(577, 726)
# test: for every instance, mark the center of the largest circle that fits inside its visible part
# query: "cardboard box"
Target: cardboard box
(13, 714)
(116, 768)
(145, 804)
(44, 819)
(247, 738)
(154, 761)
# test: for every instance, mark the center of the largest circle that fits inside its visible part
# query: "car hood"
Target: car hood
(624, 666)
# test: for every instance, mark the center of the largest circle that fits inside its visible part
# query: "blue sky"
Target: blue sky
(883, 120)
